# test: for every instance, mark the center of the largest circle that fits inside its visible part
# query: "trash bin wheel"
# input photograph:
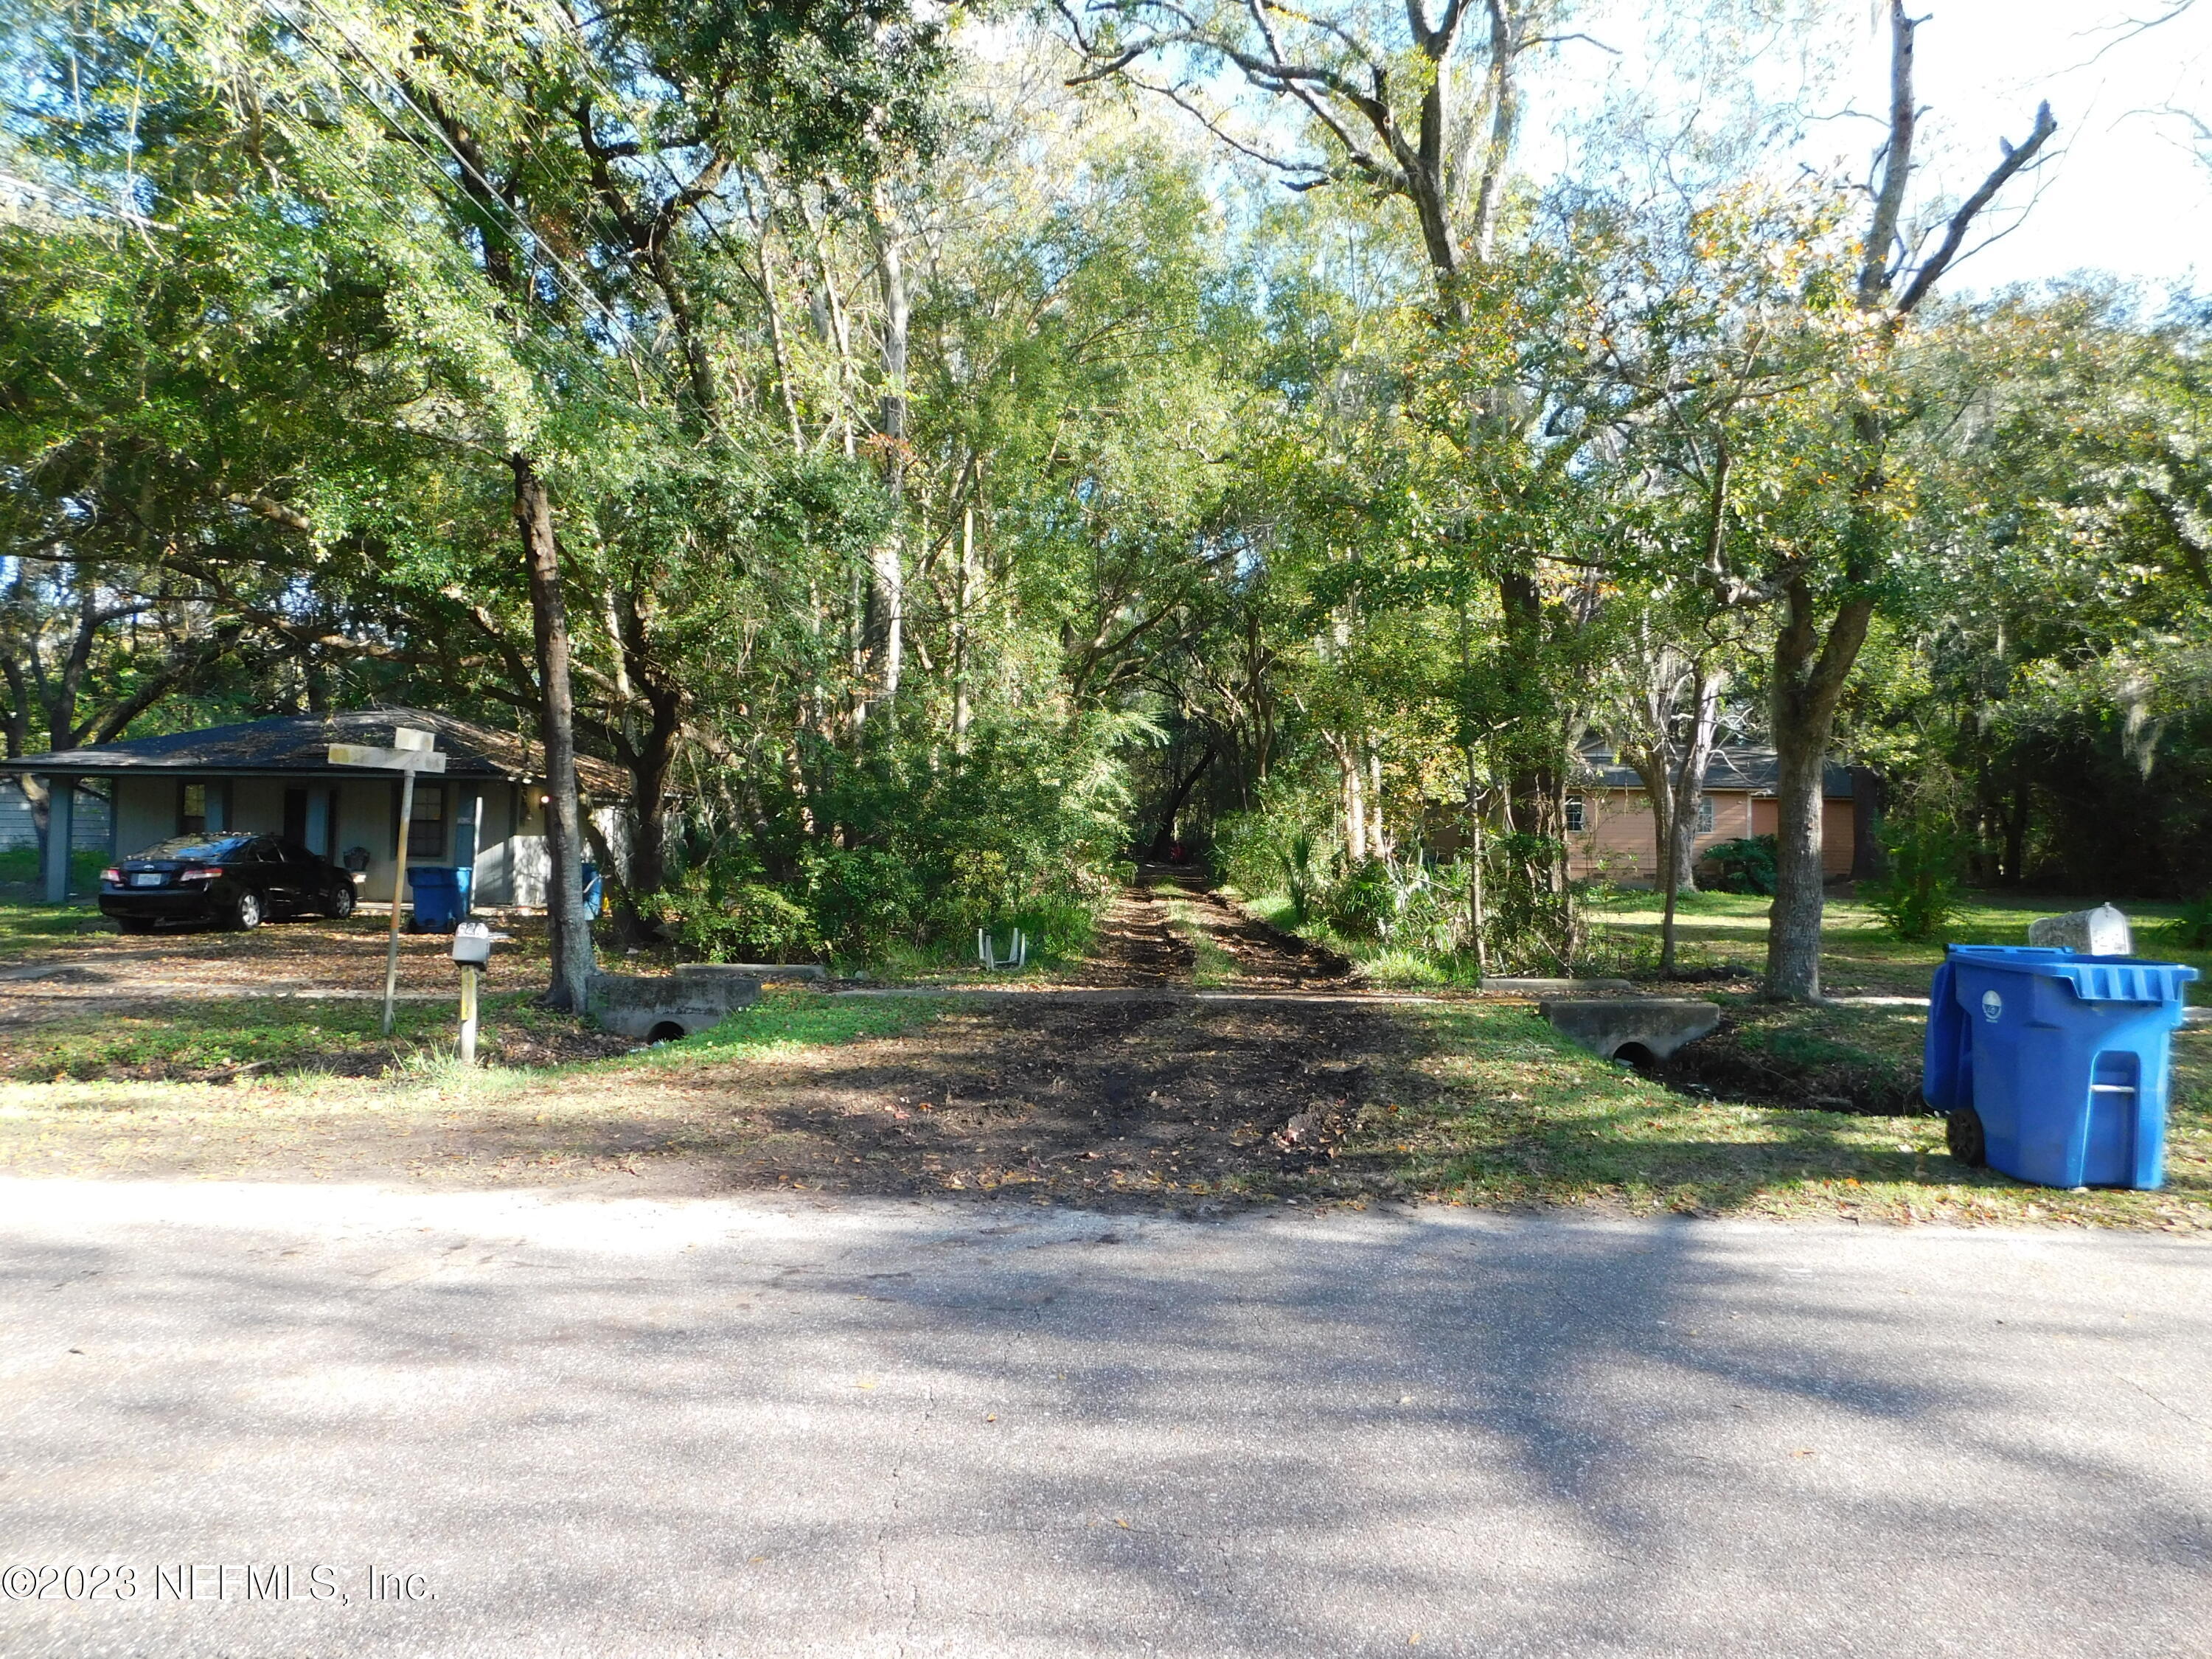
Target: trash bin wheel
(341, 901)
(246, 915)
(1962, 1132)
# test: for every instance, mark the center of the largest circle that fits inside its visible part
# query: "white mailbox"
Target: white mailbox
(473, 944)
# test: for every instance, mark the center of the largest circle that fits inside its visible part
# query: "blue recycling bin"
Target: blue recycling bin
(2063, 1059)
(593, 891)
(440, 894)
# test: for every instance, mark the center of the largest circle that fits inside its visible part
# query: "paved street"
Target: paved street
(876, 1427)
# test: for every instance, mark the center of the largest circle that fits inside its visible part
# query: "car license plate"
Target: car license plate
(147, 879)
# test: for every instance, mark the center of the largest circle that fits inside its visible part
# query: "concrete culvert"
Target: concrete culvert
(1636, 1054)
(1615, 1026)
(658, 1006)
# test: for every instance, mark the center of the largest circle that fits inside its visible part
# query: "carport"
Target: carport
(274, 777)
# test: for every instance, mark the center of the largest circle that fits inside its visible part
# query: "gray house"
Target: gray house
(274, 777)
(89, 820)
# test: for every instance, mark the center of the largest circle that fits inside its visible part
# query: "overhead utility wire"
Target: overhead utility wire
(563, 273)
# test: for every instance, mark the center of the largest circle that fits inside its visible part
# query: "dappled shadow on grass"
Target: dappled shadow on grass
(1517, 1115)
(302, 1036)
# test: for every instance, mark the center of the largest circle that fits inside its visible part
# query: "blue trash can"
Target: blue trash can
(2054, 1066)
(440, 894)
(591, 891)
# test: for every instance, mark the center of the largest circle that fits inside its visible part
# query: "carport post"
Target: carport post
(61, 803)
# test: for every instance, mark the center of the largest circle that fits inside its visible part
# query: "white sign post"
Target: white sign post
(409, 753)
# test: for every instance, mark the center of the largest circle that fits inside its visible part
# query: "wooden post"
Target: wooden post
(398, 893)
(468, 1015)
(411, 752)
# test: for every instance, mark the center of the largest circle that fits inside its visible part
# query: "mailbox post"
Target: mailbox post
(471, 953)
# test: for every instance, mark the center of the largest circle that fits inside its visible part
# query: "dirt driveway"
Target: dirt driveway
(1122, 1087)
(98, 971)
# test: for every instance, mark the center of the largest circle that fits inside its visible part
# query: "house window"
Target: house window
(1704, 815)
(1575, 824)
(203, 808)
(426, 825)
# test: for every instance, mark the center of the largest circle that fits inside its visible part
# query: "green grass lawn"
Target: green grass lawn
(785, 1023)
(1857, 956)
(26, 927)
(1521, 1117)
(199, 1039)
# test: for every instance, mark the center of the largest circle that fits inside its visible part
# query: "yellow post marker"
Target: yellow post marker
(468, 1016)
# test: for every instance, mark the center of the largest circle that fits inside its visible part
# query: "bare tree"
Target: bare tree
(1665, 717)
(1419, 107)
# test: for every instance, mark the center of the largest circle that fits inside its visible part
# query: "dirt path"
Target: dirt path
(1137, 947)
(1152, 939)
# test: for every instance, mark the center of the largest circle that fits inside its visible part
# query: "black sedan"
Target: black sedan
(237, 881)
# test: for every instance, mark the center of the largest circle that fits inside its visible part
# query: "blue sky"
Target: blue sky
(2125, 189)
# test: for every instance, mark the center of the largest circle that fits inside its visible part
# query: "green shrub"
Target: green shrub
(718, 918)
(1919, 900)
(1273, 851)
(913, 851)
(1747, 865)
(2192, 929)
(1362, 903)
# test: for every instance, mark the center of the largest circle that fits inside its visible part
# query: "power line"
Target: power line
(567, 278)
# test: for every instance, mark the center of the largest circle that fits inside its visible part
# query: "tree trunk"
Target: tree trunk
(1793, 940)
(1682, 778)
(570, 930)
(2015, 835)
(1478, 917)
(1163, 839)
(883, 628)
(1378, 841)
(1810, 669)
(1354, 785)
(963, 596)
(650, 764)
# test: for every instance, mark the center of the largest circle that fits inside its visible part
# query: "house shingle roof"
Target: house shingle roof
(299, 743)
(1755, 771)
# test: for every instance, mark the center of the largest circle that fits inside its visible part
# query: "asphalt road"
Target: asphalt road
(557, 1427)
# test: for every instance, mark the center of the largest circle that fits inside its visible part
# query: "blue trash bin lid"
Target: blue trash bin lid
(2094, 979)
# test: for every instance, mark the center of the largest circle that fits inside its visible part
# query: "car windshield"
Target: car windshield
(213, 847)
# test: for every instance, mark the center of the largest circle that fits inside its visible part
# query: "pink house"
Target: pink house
(1611, 832)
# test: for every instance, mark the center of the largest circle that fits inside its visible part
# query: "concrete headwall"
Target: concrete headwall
(680, 1004)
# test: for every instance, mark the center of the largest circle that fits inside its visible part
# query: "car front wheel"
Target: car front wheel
(341, 901)
(246, 914)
